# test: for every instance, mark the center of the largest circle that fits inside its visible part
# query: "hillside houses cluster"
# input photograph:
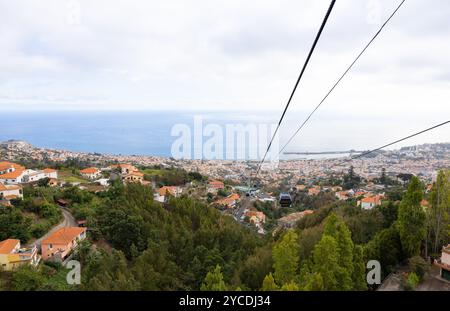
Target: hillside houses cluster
(56, 247)
(12, 173)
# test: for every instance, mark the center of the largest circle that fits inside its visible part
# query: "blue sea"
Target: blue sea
(119, 133)
(149, 133)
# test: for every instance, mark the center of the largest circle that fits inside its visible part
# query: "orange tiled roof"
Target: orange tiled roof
(3, 187)
(7, 246)
(374, 199)
(64, 236)
(228, 200)
(216, 184)
(167, 189)
(16, 173)
(49, 170)
(89, 170)
(5, 165)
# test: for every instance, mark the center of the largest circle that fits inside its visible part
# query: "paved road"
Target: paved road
(245, 203)
(69, 221)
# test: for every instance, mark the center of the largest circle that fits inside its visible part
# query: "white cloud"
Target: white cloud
(222, 55)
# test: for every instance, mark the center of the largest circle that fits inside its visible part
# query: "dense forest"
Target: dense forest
(136, 243)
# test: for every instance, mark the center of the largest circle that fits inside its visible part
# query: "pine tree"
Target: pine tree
(439, 213)
(314, 282)
(326, 262)
(286, 258)
(269, 283)
(359, 269)
(337, 229)
(412, 219)
(214, 281)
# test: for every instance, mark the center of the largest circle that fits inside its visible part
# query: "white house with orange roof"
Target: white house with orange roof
(13, 256)
(11, 173)
(163, 192)
(228, 202)
(91, 173)
(10, 192)
(370, 202)
(215, 185)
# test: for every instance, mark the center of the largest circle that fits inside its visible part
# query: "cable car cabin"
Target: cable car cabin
(285, 200)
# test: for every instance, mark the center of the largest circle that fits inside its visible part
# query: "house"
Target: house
(370, 202)
(50, 173)
(424, 204)
(314, 191)
(127, 169)
(336, 188)
(444, 263)
(161, 194)
(300, 187)
(91, 173)
(13, 256)
(10, 192)
(290, 220)
(60, 244)
(255, 217)
(341, 195)
(135, 176)
(215, 185)
(52, 182)
(11, 173)
(228, 202)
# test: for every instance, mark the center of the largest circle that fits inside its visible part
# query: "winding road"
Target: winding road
(69, 221)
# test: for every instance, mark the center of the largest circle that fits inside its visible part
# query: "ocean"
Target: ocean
(150, 133)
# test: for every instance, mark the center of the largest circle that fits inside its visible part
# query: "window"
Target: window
(50, 246)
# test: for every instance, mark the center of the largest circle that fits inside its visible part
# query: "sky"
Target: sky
(232, 55)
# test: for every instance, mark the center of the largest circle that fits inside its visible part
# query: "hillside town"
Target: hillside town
(278, 201)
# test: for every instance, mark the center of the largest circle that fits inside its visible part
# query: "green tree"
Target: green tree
(269, 283)
(419, 266)
(290, 287)
(326, 262)
(386, 248)
(214, 281)
(359, 269)
(337, 229)
(314, 282)
(412, 219)
(439, 213)
(285, 256)
(412, 281)
(27, 278)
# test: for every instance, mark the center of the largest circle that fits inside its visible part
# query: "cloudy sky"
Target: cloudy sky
(226, 55)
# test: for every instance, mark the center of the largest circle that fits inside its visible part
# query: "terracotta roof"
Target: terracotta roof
(12, 175)
(216, 184)
(374, 199)
(9, 187)
(49, 170)
(167, 189)
(7, 246)
(5, 165)
(90, 170)
(228, 200)
(64, 236)
(3, 187)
